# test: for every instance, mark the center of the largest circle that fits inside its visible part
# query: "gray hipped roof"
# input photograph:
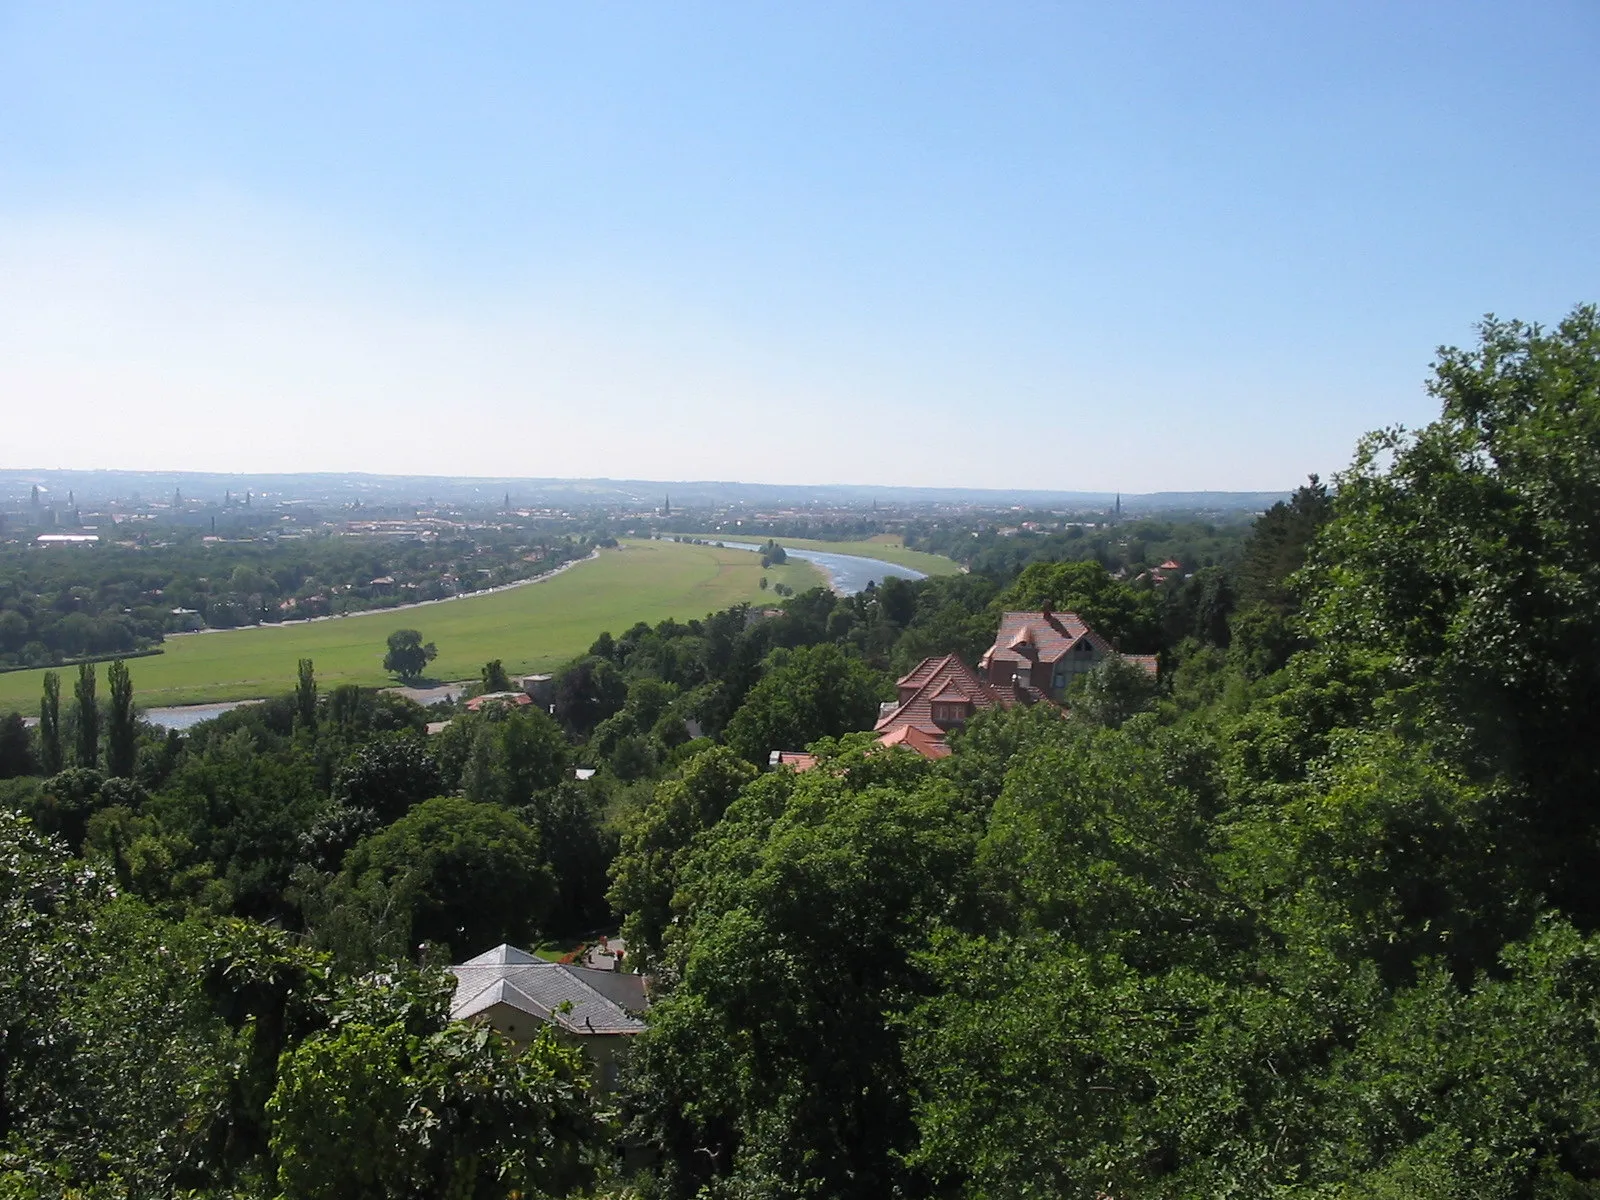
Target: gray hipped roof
(600, 1001)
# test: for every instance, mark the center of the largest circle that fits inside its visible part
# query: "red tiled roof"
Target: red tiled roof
(947, 680)
(1050, 634)
(513, 698)
(797, 759)
(1150, 662)
(926, 744)
(920, 674)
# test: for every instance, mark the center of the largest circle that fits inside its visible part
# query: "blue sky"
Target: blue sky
(1082, 246)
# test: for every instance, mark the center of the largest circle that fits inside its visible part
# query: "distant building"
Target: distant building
(509, 699)
(67, 539)
(541, 687)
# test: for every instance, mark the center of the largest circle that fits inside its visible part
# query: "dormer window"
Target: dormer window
(950, 712)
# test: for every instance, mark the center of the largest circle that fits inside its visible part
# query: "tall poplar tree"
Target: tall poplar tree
(88, 714)
(50, 757)
(305, 696)
(121, 737)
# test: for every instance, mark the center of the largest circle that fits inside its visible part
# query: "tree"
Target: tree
(305, 695)
(394, 1100)
(587, 692)
(244, 815)
(388, 776)
(897, 600)
(121, 726)
(87, 714)
(645, 872)
(462, 874)
(805, 694)
(1198, 607)
(51, 758)
(16, 754)
(494, 677)
(1278, 544)
(514, 753)
(775, 1059)
(577, 848)
(1113, 691)
(1465, 552)
(408, 656)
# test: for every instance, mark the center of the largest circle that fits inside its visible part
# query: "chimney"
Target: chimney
(1048, 610)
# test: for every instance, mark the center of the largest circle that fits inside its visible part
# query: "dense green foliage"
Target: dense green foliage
(1319, 922)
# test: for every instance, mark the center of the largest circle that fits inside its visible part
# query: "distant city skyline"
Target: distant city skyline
(51, 489)
(1052, 247)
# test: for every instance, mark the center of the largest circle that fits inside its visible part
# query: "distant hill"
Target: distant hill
(93, 487)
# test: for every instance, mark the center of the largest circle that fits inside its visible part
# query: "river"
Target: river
(184, 716)
(847, 573)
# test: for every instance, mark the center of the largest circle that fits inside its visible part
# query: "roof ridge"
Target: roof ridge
(571, 968)
(543, 1010)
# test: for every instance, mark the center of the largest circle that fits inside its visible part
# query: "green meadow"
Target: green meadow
(530, 628)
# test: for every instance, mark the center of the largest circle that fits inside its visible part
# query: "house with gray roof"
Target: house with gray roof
(517, 993)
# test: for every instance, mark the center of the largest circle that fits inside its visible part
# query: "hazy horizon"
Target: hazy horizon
(205, 486)
(1039, 247)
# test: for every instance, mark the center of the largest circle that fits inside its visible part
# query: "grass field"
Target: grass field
(528, 628)
(887, 547)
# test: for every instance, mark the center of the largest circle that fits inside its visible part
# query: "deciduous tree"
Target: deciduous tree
(408, 656)
(806, 694)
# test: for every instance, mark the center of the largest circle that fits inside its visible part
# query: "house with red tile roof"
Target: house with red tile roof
(1034, 659)
(941, 694)
(1043, 652)
(799, 760)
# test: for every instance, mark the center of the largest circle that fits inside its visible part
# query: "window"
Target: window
(1060, 680)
